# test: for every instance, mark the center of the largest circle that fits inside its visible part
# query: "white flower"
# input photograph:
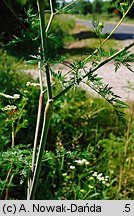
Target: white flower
(28, 83)
(72, 167)
(99, 178)
(106, 179)
(32, 84)
(85, 161)
(100, 174)
(9, 108)
(15, 96)
(68, 152)
(82, 162)
(102, 178)
(94, 174)
(64, 174)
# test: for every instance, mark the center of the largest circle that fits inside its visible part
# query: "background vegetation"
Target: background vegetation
(89, 151)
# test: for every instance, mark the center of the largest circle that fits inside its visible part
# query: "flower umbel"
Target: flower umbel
(82, 162)
(72, 167)
(32, 84)
(9, 108)
(100, 177)
(15, 96)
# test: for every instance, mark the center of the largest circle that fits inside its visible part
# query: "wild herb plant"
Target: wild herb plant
(77, 72)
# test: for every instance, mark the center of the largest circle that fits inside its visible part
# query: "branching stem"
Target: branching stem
(50, 102)
(47, 118)
(38, 119)
(58, 11)
(111, 33)
(94, 69)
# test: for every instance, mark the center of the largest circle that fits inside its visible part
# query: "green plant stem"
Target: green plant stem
(38, 115)
(37, 130)
(58, 11)
(8, 175)
(19, 118)
(49, 23)
(51, 16)
(8, 186)
(94, 69)
(64, 8)
(40, 72)
(36, 134)
(86, 195)
(41, 9)
(47, 118)
(120, 178)
(13, 135)
(49, 106)
(104, 41)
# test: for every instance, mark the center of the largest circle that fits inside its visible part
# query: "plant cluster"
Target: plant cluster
(68, 173)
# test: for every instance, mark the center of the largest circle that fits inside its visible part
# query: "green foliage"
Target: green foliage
(90, 117)
(98, 26)
(59, 34)
(126, 58)
(79, 122)
(97, 6)
(11, 72)
(83, 7)
(75, 162)
(16, 116)
(27, 44)
(72, 176)
(117, 158)
(14, 168)
(100, 171)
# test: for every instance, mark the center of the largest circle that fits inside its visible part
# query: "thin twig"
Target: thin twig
(64, 8)
(58, 11)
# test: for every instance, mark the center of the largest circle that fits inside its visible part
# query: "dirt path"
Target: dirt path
(123, 32)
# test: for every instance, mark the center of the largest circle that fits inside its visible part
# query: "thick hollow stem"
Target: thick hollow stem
(41, 9)
(49, 105)
(47, 118)
(38, 120)
(13, 135)
(37, 130)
